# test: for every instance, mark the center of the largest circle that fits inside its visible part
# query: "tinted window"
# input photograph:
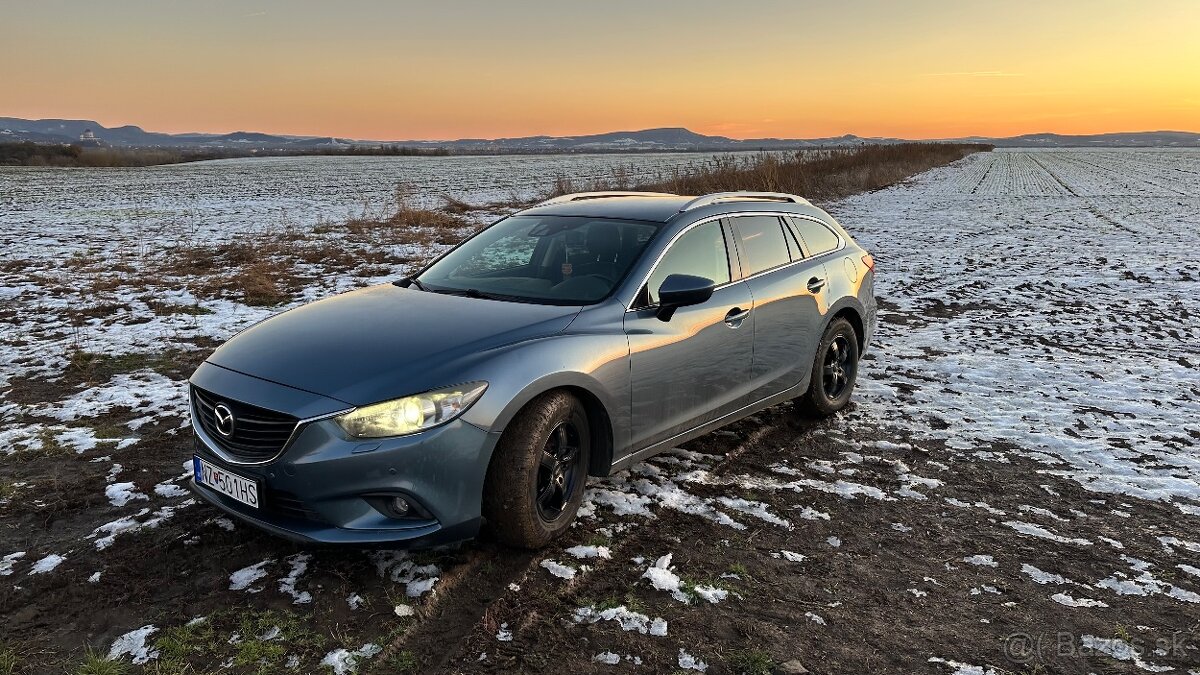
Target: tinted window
(549, 259)
(817, 237)
(701, 252)
(762, 241)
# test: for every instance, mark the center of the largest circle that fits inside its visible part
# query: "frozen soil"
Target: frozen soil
(1015, 489)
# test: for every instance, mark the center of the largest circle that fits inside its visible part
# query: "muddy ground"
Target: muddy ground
(881, 582)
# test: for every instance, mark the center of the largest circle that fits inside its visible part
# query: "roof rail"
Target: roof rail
(721, 197)
(580, 196)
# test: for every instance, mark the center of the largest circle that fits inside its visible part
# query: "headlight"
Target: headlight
(410, 414)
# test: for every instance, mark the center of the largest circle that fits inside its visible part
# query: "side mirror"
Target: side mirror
(682, 290)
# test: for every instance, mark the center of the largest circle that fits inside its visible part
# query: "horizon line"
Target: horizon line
(593, 133)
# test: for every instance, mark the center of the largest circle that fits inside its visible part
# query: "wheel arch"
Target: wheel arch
(600, 420)
(852, 312)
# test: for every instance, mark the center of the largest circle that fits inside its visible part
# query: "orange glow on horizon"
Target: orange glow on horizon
(383, 71)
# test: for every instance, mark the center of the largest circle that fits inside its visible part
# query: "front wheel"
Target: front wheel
(834, 371)
(535, 481)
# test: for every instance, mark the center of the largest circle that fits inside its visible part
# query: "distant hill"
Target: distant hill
(1136, 139)
(664, 139)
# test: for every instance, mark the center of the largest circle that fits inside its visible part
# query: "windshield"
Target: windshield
(565, 260)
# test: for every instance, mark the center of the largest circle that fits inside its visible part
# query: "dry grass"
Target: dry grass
(269, 269)
(820, 175)
(406, 223)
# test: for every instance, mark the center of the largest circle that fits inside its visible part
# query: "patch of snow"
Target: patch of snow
(755, 509)
(120, 494)
(981, 560)
(712, 594)
(241, 579)
(47, 564)
(133, 645)
(1064, 599)
(627, 619)
(965, 668)
(7, 562)
(662, 578)
(590, 552)
(1044, 577)
(607, 658)
(170, 490)
(1042, 533)
(345, 662)
(1121, 651)
(504, 634)
(558, 569)
(689, 662)
(299, 565)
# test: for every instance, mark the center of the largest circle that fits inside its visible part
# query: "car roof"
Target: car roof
(661, 207)
(650, 207)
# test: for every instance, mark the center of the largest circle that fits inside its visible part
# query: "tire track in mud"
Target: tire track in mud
(459, 606)
(463, 604)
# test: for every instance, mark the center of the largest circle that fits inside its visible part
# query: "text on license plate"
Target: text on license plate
(229, 484)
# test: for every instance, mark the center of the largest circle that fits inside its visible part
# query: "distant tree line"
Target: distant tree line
(28, 153)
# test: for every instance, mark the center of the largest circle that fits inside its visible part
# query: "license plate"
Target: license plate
(231, 485)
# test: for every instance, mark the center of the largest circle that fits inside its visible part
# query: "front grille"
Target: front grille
(288, 505)
(258, 435)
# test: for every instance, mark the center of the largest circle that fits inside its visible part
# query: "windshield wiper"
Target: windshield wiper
(411, 281)
(476, 293)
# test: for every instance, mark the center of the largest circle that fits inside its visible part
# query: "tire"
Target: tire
(834, 370)
(535, 481)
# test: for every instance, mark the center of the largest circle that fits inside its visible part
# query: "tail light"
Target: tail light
(869, 262)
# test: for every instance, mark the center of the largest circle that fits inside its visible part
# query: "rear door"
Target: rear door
(790, 302)
(693, 368)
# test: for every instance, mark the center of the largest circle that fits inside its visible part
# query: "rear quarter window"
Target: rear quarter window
(763, 242)
(817, 238)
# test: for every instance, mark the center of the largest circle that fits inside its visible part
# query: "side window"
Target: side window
(762, 241)
(817, 237)
(701, 252)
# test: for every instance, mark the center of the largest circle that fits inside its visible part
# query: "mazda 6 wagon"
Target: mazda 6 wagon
(568, 340)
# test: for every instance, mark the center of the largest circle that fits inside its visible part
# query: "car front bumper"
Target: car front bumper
(316, 490)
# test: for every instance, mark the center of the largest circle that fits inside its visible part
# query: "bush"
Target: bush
(820, 175)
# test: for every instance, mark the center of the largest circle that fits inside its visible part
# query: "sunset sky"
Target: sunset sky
(394, 70)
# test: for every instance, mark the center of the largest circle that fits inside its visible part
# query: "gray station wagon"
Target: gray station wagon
(570, 339)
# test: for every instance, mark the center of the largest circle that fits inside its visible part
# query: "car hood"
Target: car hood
(382, 342)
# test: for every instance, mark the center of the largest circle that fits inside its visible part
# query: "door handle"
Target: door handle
(736, 316)
(815, 284)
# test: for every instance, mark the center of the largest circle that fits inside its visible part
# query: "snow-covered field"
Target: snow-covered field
(1048, 303)
(1023, 460)
(52, 211)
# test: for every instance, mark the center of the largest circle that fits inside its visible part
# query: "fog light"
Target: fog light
(400, 506)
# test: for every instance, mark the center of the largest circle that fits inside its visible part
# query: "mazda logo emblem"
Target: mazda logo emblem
(225, 421)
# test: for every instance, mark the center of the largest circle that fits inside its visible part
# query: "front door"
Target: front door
(695, 367)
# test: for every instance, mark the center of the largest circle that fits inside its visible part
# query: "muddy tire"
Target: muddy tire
(536, 478)
(834, 371)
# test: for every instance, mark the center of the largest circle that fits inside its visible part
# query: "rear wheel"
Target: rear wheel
(834, 372)
(536, 478)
